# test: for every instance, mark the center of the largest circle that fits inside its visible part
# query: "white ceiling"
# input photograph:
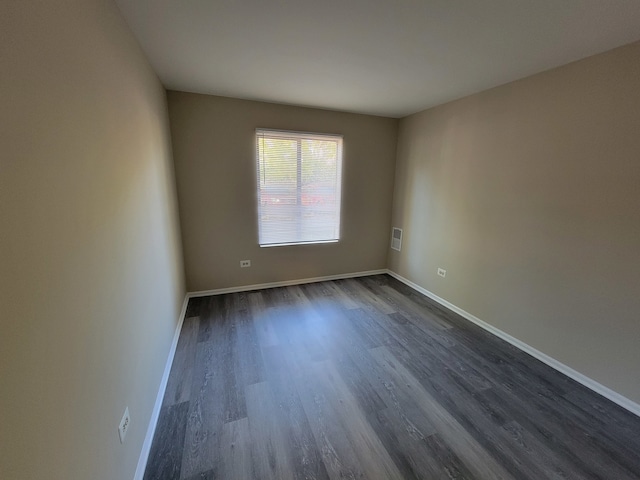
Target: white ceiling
(382, 57)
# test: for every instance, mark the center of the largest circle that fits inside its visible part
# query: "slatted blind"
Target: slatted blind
(299, 187)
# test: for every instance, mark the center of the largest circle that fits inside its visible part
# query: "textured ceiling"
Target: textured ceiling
(382, 57)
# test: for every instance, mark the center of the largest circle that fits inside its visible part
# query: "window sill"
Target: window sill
(269, 245)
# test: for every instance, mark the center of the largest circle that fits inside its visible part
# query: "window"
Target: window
(299, 187)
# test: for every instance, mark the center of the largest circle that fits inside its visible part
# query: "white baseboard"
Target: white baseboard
(606, 392)
(155, 414)
(286, 283)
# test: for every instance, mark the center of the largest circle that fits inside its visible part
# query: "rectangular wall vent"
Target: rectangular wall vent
(396, 238)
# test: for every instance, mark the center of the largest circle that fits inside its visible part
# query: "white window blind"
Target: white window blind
(299, 187)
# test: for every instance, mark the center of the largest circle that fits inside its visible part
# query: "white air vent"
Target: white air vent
(396, 238)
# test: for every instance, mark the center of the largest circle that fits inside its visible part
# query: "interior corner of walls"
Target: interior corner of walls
(211, 258)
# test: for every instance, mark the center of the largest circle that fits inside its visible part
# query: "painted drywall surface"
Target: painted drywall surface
(215, 154)
(91, 279)
(529, 196)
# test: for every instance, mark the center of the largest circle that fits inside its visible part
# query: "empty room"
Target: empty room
(319, 240)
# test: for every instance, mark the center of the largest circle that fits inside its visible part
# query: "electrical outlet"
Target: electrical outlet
(245, 263)
(123, 428)
(442, 272)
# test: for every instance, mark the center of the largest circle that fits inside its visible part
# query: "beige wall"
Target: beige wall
(529, 196)
(214, 152)
(90, 266)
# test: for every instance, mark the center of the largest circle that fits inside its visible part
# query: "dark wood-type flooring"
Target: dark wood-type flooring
(367, 379)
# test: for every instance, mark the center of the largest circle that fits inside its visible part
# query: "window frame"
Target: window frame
(300, 135)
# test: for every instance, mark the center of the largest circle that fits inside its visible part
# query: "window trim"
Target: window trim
(297, 134)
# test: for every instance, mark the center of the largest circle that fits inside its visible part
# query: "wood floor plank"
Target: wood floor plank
(551, 464)
(365, 298)
(441, 358)
(293, 326)
(451, 464)
(573, 447)
(208, 475)
(260, 317)
(223, 338)
(270, 455)
(419, 314)
(365, 393)
(338, 455)
(341, 340)
(608, 419)
(404, 457)
(368, 330)
(406, 446)
(322, 298)
(394, 398)
(205, 416)
(341, 296)
(516, 457)
(476, 458)
(248, 360)
(479, 418)
(212, 310)
(165, 459)
(305, 457)
(181, 376)
(585, 445)
(374, 458)
(236, 450)
(422, 352)
(546, 397)
(193, 307)
(217, 396)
